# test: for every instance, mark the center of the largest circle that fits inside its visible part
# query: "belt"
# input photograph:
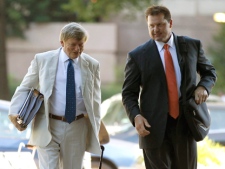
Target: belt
(62, 118)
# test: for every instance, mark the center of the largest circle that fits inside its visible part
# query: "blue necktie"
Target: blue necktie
(70, 93)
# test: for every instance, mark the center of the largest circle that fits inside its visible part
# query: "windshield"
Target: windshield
(217, 118)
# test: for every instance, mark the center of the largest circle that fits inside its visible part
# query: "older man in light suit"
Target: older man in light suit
(62, 144)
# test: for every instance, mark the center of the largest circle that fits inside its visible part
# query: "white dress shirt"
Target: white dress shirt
(172, 49)
(58, 97)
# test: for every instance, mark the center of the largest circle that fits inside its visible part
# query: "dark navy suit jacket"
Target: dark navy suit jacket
(145, 88)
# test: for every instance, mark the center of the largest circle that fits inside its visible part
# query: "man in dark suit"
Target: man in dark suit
(163, 133)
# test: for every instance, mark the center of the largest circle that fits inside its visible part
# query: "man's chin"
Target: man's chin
(158, 39)
(74, 56)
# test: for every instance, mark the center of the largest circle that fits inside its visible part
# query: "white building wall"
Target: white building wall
(194, 7)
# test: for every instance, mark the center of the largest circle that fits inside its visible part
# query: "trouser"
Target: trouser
(67, 147)
(178, 150)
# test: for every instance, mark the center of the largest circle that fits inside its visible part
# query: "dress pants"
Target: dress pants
(178, 150)
(67, 147)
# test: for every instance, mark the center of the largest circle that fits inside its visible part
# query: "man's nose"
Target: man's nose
(77, 48)
(156, 28)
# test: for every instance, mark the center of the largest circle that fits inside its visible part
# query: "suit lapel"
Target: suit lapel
(181, 60)
(153, 63)
(84, 70)
(179, 55)
(53, 62)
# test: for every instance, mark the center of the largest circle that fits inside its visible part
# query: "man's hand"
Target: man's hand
(201, 95)
(140, 124)
(13, 119)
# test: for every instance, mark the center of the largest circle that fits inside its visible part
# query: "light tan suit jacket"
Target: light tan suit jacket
(41, 75)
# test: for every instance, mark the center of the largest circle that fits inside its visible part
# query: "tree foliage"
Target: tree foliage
(217, 53)
(100, 10)
(20, 13)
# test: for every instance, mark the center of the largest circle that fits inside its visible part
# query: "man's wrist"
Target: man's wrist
(137, 116)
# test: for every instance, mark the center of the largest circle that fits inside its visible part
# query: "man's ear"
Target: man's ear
(62, 43)
(171, 23)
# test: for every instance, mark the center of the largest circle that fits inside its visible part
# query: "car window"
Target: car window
(115, 118)
(7, 129)
(115, 114)
(217, 118)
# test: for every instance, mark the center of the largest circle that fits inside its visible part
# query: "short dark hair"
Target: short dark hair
(156, 10)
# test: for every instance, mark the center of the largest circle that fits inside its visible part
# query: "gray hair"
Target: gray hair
(73, 30)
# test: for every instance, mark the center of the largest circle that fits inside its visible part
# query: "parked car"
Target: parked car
(217, 128)
(120, 154)
(117, 153)
(119, 126)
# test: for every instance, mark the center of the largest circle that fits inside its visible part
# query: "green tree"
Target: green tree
(100, 10)
(217, 53)
(20, 13)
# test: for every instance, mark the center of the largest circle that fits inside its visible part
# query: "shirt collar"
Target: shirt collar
(64, 57)
(170, 43)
